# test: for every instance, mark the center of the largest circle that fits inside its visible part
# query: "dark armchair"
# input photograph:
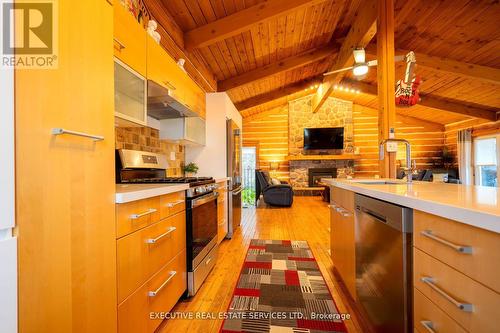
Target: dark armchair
(274, 194)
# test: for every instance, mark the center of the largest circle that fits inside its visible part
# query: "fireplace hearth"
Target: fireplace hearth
(315, 175)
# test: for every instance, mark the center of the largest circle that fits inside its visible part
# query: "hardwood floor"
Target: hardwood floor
(308, 219)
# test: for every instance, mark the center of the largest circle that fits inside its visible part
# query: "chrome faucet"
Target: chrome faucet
(409, 168)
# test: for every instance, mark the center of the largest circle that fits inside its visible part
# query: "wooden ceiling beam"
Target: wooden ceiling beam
(275, 68)
(442, 64)
(275, 94)
(363, 29)
(241, 21)
(407, 120)
(431, 101)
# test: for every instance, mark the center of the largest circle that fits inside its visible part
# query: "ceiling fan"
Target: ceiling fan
(360, 66)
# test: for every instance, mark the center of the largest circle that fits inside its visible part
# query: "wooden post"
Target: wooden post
(386, 81)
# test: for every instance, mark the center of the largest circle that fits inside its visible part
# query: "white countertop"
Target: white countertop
(132, 192)
(478, 206)
(223, 179)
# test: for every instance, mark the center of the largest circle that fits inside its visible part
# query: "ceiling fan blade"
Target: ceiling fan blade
(338, 71)
(359, 55)
(372, 63)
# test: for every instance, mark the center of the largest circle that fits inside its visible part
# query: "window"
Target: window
(486, 160)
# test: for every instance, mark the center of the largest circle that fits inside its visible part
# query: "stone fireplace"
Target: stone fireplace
(300, 175)
(315, 175)
(334, 113)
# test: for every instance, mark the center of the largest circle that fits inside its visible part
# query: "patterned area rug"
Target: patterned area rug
(281, 290)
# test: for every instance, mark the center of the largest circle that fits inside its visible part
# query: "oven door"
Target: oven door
(203, 211)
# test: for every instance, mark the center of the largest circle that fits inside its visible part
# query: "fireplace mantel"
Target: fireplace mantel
(323, 157)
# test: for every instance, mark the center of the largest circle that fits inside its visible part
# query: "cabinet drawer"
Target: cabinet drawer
(142, 253)
(172, 203)
(426, 313)
(129, 39)
(484, 245)
(452, 287)
(343, 198)
(132, 216)
(134, 314)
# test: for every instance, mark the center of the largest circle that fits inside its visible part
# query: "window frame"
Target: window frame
(476, 167)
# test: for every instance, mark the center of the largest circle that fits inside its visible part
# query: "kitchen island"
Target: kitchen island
(452, 239)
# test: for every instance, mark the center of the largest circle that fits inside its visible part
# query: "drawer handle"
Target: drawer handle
(136, 216)
(155, 240)
(208, 261)
(343, 212)
(428, 326)
(466, 307)
(154, 293)
(173, 204)
(458, 248)
(120, 44)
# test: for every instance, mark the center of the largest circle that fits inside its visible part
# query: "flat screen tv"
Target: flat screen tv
(323, 138)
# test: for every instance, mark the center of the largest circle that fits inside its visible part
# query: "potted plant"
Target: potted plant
(191, 169)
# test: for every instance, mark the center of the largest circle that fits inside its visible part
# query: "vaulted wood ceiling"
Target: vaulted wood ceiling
(267, 52)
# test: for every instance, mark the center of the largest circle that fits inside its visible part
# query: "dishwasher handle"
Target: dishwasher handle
(376, 216)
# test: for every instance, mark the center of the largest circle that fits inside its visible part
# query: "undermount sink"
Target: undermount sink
(381, 182)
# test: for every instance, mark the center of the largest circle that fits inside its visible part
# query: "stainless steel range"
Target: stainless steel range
(138, 167)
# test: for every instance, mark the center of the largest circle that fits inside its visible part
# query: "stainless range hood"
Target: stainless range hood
(162, 105)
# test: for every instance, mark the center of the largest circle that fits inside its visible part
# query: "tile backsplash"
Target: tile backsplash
(148, 139)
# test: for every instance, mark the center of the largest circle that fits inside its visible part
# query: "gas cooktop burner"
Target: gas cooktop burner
(192, 181)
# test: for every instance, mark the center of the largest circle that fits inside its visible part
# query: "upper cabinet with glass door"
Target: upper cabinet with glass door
(130, 68)
(130, 96)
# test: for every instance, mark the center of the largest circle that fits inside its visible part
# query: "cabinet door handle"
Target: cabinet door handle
(155, 292)
(456, 247)
(136, 216)
(120, 44)
(59, 131)
(466, 307)
(208, 261)
(173, 204)
(427, 324)
(155, 240)
(169, 85)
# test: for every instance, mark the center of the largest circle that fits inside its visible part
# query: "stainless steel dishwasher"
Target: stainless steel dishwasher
(383, 233)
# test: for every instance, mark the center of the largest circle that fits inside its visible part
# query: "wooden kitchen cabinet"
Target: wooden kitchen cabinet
(342, 241)
(65, 184)
(163, 69)
(129, 39)
(151, 249)
(139, 256)
(137, 313)
(454, 263)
